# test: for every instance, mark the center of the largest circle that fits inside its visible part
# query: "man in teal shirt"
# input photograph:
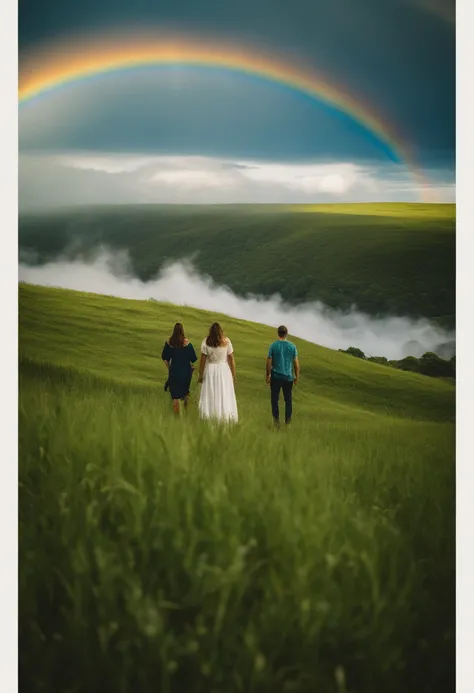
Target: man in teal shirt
(282, 372)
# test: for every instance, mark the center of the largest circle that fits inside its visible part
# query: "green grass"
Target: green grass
(396, 259)
(173, 556)
(406, 210)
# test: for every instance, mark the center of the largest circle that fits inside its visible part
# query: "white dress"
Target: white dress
(217, 400)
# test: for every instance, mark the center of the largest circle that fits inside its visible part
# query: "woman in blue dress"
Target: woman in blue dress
(179, 355)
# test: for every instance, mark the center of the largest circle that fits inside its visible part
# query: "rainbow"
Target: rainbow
(50, 70)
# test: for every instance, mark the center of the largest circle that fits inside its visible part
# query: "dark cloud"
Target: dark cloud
(396, 55)
(194, 111)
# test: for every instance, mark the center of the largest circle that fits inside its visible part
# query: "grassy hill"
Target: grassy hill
(396, 259)
(170, 555)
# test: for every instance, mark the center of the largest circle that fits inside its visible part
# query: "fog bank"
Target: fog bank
(181, 284)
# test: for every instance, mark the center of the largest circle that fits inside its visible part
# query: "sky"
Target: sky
(193, 134)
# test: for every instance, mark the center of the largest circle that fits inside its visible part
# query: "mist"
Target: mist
(180, 283)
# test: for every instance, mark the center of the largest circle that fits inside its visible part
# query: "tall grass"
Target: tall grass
(166, 555)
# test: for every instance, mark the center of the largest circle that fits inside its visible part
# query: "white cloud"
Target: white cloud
(195, 179)
(53, 180)
(180, 283)
(332, 178)
(334, 183)
(121, 163)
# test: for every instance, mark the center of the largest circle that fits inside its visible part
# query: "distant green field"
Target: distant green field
(396, 259)
(169, 555)
(408, 210)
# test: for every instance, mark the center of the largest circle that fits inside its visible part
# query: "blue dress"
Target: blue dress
(180, 372)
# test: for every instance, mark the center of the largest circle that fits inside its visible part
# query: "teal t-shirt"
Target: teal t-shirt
(282, 353)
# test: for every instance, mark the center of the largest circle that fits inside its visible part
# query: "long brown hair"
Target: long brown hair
(177, 339)
(215, 337)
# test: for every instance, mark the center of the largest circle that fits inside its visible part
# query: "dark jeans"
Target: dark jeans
(277, 384)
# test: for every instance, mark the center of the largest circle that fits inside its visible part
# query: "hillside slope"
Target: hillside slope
(122, 340)
(396, 259)
(166, 554)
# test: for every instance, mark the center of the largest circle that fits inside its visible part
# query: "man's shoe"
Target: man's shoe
(276, 423)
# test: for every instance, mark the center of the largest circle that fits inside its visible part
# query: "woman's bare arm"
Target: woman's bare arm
(165, 355)
(231, 362)
(202, 363)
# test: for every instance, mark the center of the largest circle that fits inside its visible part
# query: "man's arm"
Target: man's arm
(296, 365)
(268, 369)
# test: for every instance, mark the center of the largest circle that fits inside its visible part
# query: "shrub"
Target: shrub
(378, 359)
(354, 351)
(409, 363)
(433, 365)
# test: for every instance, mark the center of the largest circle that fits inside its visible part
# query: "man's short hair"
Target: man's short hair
(282, 331)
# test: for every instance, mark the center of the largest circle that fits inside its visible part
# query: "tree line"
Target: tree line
(429, 364)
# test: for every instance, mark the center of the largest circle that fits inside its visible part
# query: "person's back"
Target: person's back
(217, 375)
(179, 355)
(282, 372)
(180, 358)
(283, 354)
(217, 354)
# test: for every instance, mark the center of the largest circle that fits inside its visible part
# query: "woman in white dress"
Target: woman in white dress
(217, 375)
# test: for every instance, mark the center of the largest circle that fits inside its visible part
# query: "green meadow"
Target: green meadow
(172, 556)
(387, 259)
